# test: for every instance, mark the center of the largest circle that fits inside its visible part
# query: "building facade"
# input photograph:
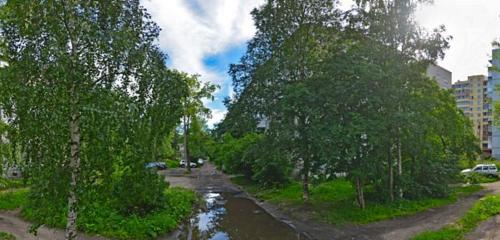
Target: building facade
(472, 98)
(494, 95)
(441, 75)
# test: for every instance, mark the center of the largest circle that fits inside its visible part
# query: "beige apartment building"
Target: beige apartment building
(471, 97)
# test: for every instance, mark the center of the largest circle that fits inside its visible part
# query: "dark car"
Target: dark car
(156, 165)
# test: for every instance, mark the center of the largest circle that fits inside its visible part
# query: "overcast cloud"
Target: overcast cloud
(474, 24)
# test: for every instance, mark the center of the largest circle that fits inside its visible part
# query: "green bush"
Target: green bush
(270, 167)
(476, 178)
(134, 194)
(106, 220)
(6, 236)
(254, 157)
(11, 183)
(229, 155)
(172, 163)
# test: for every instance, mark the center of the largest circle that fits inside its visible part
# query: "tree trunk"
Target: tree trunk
(391, 174)
(186, 151)
(74, 127)
(305, 181)
(359, 193)
(305, 186)
(400, 169)
(154, 151)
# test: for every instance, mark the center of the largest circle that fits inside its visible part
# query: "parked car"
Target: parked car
(489, 170)
(156, 165)
(201, 162)
(183, 164)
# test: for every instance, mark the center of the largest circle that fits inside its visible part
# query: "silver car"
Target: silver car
(489, 170)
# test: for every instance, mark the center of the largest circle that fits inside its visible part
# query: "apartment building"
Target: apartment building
(472, 98)
(494, 95)
(441, 75)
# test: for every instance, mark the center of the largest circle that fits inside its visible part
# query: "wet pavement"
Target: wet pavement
(227, 216)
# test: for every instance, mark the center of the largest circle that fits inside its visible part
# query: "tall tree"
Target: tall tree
(392, 23)
(63, 57)
(283, 52)
(193, 107)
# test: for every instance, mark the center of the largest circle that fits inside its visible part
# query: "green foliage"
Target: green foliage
(475, 178)
(6, 236)
(271, 166)
(253, 156)
(193, 111)
(12, 199)
(89, 70)
(229, 154)
(334, 201)
(167, 149)
(172, 163)
(11, 183)
(482, 210)
(104, 219)
(350, 95)
(200, 140)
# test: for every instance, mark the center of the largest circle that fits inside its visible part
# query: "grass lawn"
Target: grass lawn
(105, 221)
(482, 210)
(334, 201)
(13, 198)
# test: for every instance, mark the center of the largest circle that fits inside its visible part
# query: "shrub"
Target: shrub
(105, 219)
(6, 236)
(11, 183)
(172, 163)
(475, 178)
(271, 167)
(229, 154)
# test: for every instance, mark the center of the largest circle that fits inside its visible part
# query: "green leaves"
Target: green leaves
(93, 65)
(347, 92)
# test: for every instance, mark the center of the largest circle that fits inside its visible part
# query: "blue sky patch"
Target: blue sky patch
(220, 63)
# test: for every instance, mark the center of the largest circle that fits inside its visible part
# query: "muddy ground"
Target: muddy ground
(208, 178)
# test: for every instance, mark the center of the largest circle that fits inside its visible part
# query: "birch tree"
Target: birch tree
(61, 54)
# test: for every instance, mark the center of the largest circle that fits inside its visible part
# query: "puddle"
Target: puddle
(228, 217)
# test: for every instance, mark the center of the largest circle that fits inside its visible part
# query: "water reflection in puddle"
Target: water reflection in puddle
(228, 217)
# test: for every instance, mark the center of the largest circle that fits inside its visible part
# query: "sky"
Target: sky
(205, 36)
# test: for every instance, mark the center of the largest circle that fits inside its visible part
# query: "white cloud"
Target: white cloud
(217, 116)
(474, 24)
(194, 29)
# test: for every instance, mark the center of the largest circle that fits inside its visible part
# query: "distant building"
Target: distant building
(472, 99)
(441, 75)
(494, 94)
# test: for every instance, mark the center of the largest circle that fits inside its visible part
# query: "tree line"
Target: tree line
(330, 91)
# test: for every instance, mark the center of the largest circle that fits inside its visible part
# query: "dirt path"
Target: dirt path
(11, 222)
(490, 229)
(209, 179)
